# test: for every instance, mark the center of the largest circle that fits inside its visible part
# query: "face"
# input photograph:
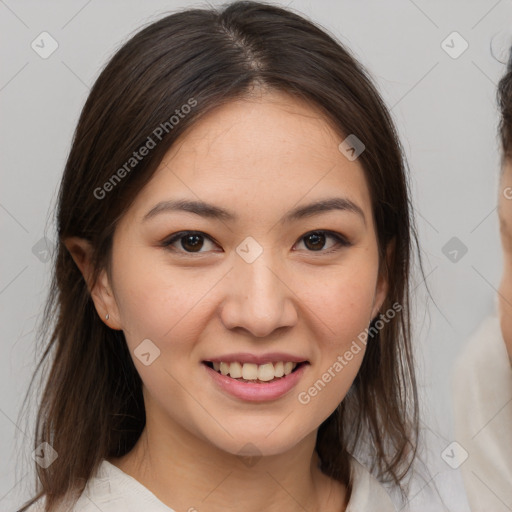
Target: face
(248, 280)
(505, 290)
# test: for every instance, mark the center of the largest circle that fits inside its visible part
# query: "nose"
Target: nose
(257, 297)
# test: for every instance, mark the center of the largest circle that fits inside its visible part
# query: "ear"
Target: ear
(101, 293)
(382, 287)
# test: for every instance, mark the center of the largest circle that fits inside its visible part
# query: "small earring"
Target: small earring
(107, 316)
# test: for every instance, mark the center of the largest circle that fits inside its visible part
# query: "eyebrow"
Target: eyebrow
(215, 212)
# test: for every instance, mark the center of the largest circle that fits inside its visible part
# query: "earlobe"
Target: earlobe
(105, 302)
(100, 291)
(381, 292)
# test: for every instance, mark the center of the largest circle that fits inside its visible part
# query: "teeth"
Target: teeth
(288, 367)
(266, 372)
(235, 370)
(250, 371)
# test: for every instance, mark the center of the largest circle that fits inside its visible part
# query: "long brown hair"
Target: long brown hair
(92, 407)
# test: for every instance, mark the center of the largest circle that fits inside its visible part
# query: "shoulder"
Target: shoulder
(482, 375)
(112, 490)
(367, 494)
(107, 490)
(485, 348)
(482, 404)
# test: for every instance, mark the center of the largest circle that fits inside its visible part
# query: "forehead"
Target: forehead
(270, 120)
(271, 148)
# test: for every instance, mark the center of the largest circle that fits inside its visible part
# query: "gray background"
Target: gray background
(444, 109)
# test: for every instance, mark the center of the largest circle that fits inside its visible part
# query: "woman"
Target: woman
(231, 285)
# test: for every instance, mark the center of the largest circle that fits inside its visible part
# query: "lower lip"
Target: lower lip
(257, 392)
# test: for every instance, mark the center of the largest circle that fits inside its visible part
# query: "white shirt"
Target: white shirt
(112, 490)
(483, 418)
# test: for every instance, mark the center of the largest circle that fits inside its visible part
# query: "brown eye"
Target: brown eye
(192, 243)
(189, 242)
(315, 241)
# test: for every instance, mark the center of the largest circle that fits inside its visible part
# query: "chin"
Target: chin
(257, 444)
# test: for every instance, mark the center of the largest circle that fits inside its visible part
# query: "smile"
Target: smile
(255, 373)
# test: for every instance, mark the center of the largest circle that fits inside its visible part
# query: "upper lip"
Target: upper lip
(245, 357)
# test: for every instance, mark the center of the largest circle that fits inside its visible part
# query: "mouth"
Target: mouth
(255, 373)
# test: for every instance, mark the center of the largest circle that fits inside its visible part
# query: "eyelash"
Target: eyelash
(341, 241)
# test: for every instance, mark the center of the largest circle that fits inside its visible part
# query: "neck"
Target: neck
(187, 473)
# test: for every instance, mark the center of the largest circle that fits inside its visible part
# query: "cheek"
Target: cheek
(155, 300)
(342, 308)
(343, 301)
